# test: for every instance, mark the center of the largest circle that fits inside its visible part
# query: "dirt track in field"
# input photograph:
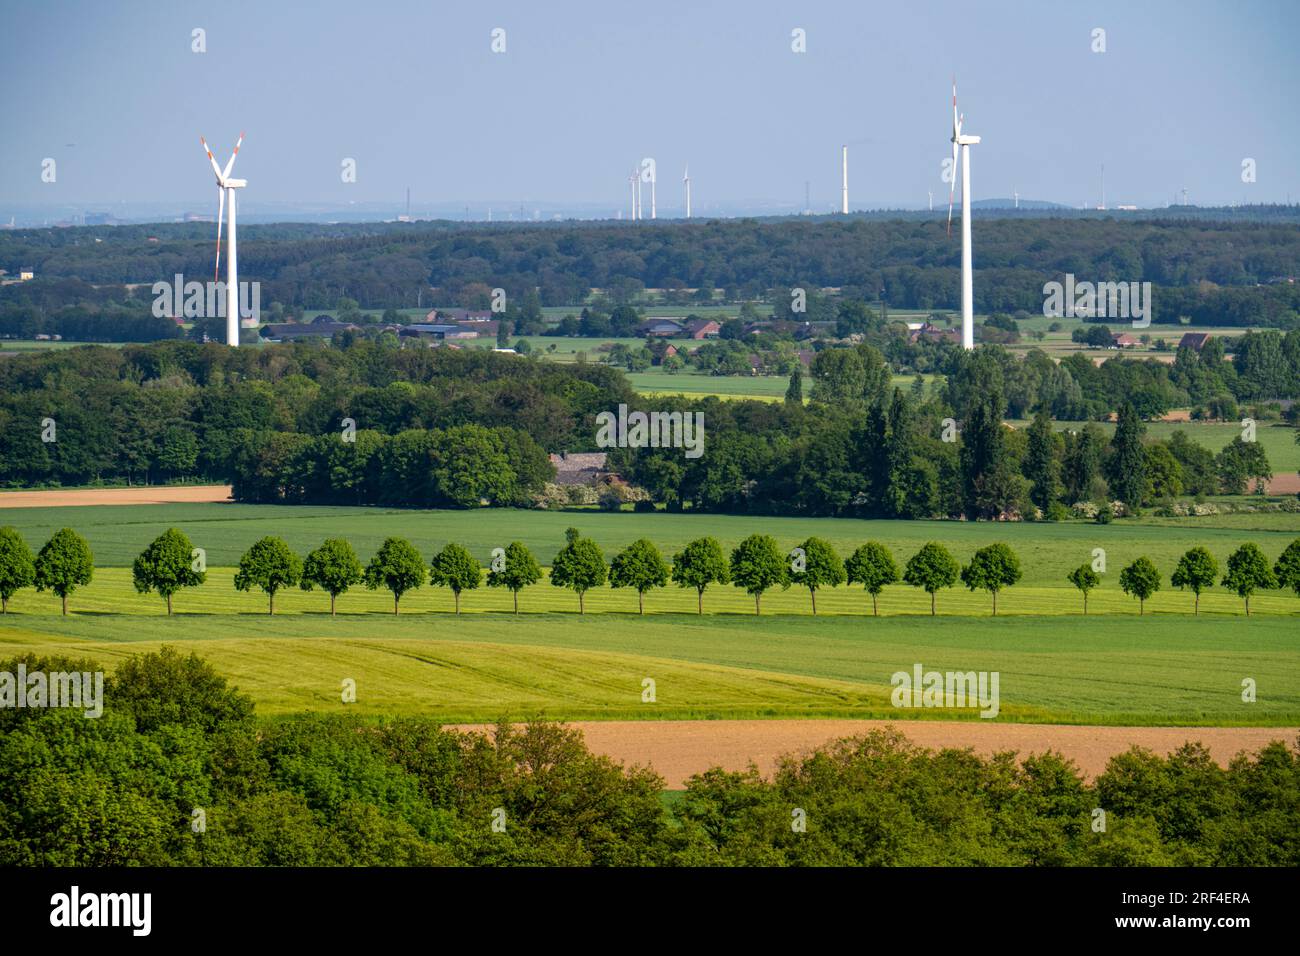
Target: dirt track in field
(144, 495)
(677, 749)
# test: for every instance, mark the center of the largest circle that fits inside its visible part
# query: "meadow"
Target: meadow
(1048, 551)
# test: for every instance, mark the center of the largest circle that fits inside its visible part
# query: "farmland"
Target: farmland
(1048, 550)
(1106, 670)
(1057, 665)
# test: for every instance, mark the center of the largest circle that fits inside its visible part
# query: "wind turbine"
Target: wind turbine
(844, 176)
(639, 208)
(686, 178)
(227, 185)
(631, 183)
(965, 141)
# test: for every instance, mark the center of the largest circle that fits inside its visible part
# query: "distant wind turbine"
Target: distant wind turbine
(965, 141)
(686, 178)
(844, 176)
(226, 185)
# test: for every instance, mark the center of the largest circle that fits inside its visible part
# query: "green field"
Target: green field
(483, 667)
(1047, 550)
(1055, 664)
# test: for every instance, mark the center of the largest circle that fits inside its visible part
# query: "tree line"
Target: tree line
(368, 423)
(180, 771)
(1217, 273)
(758, 564)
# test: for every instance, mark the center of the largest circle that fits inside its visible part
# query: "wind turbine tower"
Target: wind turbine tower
(686, 178)
(844, 178)
(226, 192)
(964, 141)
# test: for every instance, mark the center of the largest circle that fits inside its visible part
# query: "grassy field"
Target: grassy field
(479, 668)
(1047, 550)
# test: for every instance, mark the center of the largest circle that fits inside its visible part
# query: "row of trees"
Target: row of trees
(758, 564)
(1248, 571)
(342, 790)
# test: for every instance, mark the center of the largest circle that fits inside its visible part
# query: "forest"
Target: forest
(1203, 271)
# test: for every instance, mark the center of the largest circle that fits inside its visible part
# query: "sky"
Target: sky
(414, 94)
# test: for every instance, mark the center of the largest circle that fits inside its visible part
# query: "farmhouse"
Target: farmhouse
(932, 333)
(1194, 340)
(1122, 340)
(662, 327)
(703, 329)
(583, 468)
(440, 331)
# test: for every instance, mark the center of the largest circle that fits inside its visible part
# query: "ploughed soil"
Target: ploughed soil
(142, 495)
(677, 749)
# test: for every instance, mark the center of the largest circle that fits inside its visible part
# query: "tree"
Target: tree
(579, 566)
(1287, 569)
(270, 565)
(397, 567)
(518, 569)
(1140, 579)
(455, 567)
(700, 564)
(1126, 466)
(333, 567)
(1248, 571)
(822, 567)
(991, 569)
(758, 564)
(1196, 570)
(1085, 579)
(640, 566)
(1041, 466)
(166, 566)
(63, 565)
(872, 566)
(17, 566)
(1240, 461)
(794, 393)
(931, 568)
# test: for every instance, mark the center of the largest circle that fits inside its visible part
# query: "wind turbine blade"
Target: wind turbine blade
(955, 126)
(230, 165)
(221, 214)
(212, 159)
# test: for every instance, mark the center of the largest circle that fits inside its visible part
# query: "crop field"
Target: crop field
(1104, 670)
(1056, 665)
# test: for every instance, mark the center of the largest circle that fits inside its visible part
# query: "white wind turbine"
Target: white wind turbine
(227, 185)
(967, 284)
(631, 182)
(686, 178)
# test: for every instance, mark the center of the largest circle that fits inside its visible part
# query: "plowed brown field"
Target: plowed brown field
(677, 749)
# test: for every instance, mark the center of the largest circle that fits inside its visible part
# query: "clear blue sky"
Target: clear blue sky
(1185, 91)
